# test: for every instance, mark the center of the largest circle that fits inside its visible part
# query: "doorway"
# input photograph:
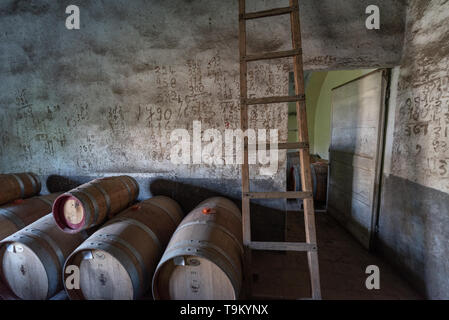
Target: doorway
(346, 117)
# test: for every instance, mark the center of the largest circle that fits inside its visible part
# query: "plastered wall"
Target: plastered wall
(414, 217)
(81, 104)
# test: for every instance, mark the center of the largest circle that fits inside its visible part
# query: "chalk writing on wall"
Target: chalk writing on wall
(130, 131)
(421, 141)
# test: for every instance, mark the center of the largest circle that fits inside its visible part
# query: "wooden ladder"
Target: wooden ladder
(310, 246)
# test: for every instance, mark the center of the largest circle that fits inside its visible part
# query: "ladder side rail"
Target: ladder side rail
(306, 177)
(246, 218)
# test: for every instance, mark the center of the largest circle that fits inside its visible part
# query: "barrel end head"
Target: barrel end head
(23, 269)
(68, 212)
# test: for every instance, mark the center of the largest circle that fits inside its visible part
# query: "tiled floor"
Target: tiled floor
(342, 267)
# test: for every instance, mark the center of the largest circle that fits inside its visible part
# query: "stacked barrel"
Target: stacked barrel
(24, 221)
(15, 186)
(319, 169)
(118, 261)
(203, 260)
(32, 259)
(96, 242)
(34, 245)
(22, 212)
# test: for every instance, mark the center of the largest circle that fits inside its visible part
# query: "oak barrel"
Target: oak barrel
(18, 186)
(118, 261)
(92, 203)
(203, 259)
(31, 260)
(319, 172)
(20, 213)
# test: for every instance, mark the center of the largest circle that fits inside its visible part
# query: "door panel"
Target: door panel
(358, 116)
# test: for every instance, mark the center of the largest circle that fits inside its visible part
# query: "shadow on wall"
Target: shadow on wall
(56, 183)
(187, 195)
(267, 224)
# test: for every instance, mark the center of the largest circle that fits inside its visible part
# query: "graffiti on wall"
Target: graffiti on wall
(421, 140)
(130, 132)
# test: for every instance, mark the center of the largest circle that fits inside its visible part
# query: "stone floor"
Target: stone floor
(343, 261)
(280, 275)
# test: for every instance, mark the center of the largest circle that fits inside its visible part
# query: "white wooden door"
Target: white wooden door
(358, 117)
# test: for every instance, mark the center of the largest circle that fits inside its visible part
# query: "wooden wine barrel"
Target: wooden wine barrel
(117, 262)
(319, 179)
(18, 186)
(204, 257)
(318, 171)
(31, 260)
(92, 203)
(20, 213)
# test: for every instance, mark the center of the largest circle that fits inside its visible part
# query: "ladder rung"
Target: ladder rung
(293, 145)
(267, 13)
(283, 246)
(278, 195)
(272, 55)
(268, 100)
(283, 146)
